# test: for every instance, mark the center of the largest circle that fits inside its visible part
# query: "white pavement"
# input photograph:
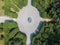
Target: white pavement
(4, 18)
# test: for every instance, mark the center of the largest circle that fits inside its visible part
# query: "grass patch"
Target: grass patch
(41, 5)
(13, 6)
(11, 34)
(1, 10)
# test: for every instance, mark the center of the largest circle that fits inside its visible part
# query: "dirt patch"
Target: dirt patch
(47, 19)
(2, 42)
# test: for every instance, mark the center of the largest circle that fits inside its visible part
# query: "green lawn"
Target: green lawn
(11, 34)
(13, 6)
(41, 5)
(1, 10)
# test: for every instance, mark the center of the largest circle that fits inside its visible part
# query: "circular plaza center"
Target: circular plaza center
(29, 19)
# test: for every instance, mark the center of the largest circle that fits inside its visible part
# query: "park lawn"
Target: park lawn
(41, 6)
(21, 36)
(1, 8)
(11, 14)
(11, 33)
(20, 3)
(11, 7)
(1, 35)
(7, 26)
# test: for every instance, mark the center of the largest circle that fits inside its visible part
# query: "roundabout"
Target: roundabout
(29, 19)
